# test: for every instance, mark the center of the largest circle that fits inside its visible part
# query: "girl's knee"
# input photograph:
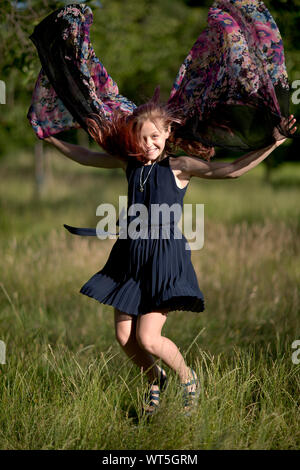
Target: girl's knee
(124, 328)
(145, 341)
(124, 335)
(148, 330)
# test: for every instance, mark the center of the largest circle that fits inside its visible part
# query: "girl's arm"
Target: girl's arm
(220, 170)
(85, 156)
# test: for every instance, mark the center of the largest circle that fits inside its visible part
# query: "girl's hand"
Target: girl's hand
(287, 124)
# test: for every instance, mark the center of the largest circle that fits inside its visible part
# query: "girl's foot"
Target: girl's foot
(152, 401)
(191, 392)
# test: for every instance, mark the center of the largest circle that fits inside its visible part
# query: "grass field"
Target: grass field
(67, 384)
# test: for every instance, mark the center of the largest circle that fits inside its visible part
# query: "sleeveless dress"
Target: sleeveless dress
(232, 87)
(152, 269)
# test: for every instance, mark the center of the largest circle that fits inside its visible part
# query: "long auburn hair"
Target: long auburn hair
(120, 135)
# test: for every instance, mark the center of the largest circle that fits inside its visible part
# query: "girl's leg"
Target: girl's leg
(148, 334)
(125, 330)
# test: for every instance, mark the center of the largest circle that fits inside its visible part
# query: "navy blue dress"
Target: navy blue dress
(153, 270)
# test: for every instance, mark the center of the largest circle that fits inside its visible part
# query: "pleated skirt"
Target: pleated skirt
(146, 274)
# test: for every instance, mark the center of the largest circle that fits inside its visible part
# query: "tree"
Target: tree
(141, 42)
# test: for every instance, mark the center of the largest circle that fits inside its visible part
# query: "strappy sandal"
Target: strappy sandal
(190, 399)
(153, 398)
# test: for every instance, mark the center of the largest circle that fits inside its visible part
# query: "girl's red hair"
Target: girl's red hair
(120, 135)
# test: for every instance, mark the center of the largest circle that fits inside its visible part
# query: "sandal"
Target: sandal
(190, 398)
(153, 398)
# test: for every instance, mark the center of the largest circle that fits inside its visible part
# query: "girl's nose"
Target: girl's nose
(148, 143)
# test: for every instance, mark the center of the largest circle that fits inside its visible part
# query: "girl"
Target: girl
(139, 331)
(145, 278)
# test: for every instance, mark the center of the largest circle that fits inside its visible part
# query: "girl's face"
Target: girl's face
(154, 139)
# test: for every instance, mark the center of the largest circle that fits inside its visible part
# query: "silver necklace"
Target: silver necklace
(141, 188)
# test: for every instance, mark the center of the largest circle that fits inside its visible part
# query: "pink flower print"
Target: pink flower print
(276, 54)
(235, 37)
(72, 10)
(266, 34)
(223, 19)
(228, 23)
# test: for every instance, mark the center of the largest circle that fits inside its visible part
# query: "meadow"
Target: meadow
(67, 384)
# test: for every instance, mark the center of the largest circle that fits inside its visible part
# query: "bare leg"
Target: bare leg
(125, 329)
(140, 338)
(148, 331)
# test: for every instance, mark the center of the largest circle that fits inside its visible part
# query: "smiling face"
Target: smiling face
(153, 138)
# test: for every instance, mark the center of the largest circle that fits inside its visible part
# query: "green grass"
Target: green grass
(67, 384)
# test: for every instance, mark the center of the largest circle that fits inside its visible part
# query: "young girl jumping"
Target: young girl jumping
(145, 278)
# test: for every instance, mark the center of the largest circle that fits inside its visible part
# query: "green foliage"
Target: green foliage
(141, 42)
(67, 384)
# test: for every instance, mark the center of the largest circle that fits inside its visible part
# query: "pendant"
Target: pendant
(141, 189)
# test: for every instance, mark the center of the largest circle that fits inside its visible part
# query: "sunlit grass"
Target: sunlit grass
(66, 383)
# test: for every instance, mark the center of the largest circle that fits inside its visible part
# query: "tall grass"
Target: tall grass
(66, 383)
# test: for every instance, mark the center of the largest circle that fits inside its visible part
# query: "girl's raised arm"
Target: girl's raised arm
(219, 170)
(222, 170)
(85, 156)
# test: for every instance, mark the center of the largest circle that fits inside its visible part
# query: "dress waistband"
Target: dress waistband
(92, 232)
(87, 232)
